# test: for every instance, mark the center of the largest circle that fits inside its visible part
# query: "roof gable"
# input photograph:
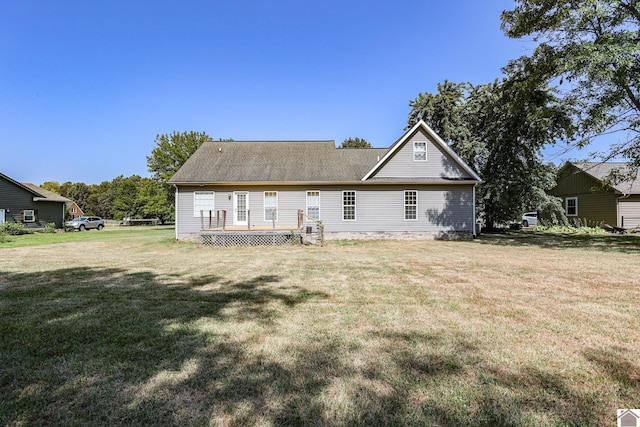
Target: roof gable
(21, 185)
(600, 171)
(441, 161)
(250, 162)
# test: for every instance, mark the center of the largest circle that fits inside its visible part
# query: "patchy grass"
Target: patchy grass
(135, 329)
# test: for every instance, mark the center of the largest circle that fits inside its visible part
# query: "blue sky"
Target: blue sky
(85, 86)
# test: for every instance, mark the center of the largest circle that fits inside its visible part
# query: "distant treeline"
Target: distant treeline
(133, 196)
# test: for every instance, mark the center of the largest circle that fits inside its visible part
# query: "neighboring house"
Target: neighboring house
(73, 210)
(29, 204)
(585, 194)
(418, 185)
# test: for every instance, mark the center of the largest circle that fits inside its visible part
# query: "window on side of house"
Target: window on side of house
(203, 201)
(419, 151)
(29, 215)
(313, 204)
(270, 205)
(349, 205)
(571, 206)
(410, 205)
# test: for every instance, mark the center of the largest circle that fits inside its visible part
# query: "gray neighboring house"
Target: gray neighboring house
(417, 187)
(30, 205)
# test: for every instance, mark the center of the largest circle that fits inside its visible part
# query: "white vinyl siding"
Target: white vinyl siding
(438, 163)
(313, 204)
(380, 208)
(420, 151)
(203, 201)
(571, 206)
(349, 205)
(271, 206)
(410, 205)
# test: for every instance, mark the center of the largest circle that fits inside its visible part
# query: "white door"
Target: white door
(240, 208)
(1, 216)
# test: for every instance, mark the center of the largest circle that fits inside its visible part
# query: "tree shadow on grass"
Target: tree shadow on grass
(79, 344)
(112, 347)
(601, 242)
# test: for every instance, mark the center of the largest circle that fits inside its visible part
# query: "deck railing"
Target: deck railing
(307, 230)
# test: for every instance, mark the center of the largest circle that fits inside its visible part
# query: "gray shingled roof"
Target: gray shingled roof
(276, 161)
(601, 171)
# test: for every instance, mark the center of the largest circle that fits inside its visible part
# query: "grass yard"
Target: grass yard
(129, 327)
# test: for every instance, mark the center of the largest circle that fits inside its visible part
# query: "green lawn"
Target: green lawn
(129, 327)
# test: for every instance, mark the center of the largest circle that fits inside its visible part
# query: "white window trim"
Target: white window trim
(196, 209)
(307, 210)
(33, 215)
(264, 205)
(404, 205)
(566, 205)
(415, 143)
(355, 204)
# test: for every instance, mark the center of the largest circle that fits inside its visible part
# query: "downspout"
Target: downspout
(473, 224)
(176, 212)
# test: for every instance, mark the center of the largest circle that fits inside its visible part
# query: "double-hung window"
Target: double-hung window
(203, 201)
(410, 205)
(419, 151)
(270, 205)
(29, 215)
(349, 205)
(313, 204)
(571, 206)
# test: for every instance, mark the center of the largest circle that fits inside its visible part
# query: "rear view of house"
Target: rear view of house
(29, 204)
(587, 194)
(417, 186)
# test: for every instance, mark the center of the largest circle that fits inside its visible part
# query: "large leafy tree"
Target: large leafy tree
(499, 129)
(591, 49)
(172, 151)
(355, 143)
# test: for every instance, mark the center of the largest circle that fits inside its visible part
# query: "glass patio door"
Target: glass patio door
(240, 207)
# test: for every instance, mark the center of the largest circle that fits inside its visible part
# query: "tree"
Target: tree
(499, 129)
(79, 192)
(594, 46)
(172, 151)
(355, 143)
(53, 186)
(152, 199)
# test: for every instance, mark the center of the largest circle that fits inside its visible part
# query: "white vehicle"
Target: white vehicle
(529, 218)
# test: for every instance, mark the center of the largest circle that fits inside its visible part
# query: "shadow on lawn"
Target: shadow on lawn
(111, 347)
(628, 244)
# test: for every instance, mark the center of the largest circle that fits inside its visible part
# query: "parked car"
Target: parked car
(85, 223)
(529, 218)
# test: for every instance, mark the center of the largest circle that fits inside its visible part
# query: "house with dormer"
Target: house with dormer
(416, 187)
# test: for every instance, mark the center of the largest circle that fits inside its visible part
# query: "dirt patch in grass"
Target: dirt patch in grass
(488, 332)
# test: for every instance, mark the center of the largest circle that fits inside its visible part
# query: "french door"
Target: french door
(240, 208)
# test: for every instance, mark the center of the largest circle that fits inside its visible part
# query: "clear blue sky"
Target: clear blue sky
(85, 86)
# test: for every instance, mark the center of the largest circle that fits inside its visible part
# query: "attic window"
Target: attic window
(419, 151)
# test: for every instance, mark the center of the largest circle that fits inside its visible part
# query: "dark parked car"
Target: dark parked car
(85, 223)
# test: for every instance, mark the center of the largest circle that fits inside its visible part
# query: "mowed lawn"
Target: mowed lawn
(133, 328)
